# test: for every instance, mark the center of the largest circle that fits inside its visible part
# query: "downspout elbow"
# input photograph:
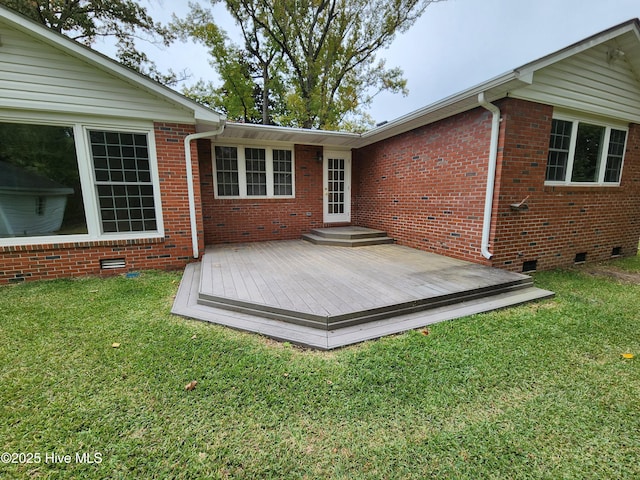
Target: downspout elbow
(491, 174)
(190, 188)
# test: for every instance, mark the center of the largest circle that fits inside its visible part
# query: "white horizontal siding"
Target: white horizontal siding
(37, 76)
(589, 83)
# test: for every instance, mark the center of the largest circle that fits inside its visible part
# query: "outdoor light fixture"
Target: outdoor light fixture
(319, 156)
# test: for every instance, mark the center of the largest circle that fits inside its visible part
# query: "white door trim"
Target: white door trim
(336, 209)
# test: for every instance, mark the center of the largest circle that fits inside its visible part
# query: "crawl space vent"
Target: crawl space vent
(529, 266)
(580, 257)
(111, 263)
(616, 251)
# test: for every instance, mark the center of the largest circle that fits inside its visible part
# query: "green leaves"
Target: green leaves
(312, 62)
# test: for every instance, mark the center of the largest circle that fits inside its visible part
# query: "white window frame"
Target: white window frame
(242, 170)
(602, 162)
(81, 126)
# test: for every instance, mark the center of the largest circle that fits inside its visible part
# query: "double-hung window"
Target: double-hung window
(253, 171)
(585, 152)
(123, 181)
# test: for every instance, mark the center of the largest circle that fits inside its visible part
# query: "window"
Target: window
(282, 174)
(583, 152)
(227, 171)
(256, 164)
(78, 182)
(123, 181)
(247, 172)
(40, 187)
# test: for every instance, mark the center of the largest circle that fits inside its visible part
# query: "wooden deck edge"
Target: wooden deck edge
(348, 233)
(373, 330)
(346, 242)
(186, 305)
(356, 317)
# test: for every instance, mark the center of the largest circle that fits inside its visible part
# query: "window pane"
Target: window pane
(227, 171)
(40, 191)
(615, 155)
(282, 174)
(124, 183)
(256, 166)
(588, 153)
(558, 150)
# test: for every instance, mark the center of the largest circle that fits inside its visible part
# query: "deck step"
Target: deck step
(347, 237)
(357, 317)
(186, 304)
(327, 297)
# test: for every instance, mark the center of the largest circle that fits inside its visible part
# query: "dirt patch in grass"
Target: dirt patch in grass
(615, 273)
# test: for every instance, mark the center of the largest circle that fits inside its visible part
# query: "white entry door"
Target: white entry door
(337, 187)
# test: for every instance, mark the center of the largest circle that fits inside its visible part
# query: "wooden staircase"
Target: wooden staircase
(347, 237)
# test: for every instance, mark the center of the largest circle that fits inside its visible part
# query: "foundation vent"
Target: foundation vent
(580, 257)
(616, 251)
(111, 263)
(529, 266)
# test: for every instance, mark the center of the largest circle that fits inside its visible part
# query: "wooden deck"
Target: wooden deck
(328, 296)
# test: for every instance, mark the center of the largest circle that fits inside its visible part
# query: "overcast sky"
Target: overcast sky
(455, 45)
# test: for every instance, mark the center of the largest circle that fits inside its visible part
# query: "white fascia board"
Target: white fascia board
(101, 61)
(306, 136)
(581, 46)
(494, 89)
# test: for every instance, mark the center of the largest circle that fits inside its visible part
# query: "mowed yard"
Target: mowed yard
(537, 391)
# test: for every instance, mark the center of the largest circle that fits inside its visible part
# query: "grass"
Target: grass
(537, 391)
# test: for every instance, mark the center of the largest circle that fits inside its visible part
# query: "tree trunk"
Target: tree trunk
(265, 94)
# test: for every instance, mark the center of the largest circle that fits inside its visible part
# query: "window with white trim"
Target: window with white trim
(80, 182)
(585, 152)
(123, 181)
(253, 172)
(40, 182)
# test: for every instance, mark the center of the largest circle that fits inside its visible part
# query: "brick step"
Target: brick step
(347, 236)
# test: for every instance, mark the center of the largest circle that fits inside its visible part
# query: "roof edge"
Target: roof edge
(494, 88)
(102, 61)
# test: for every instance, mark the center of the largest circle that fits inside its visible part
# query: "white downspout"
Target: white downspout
(491, 174)
(190, 189)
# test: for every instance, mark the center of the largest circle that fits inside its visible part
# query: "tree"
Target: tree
(252, 83)
(87, 20)
(327, 50)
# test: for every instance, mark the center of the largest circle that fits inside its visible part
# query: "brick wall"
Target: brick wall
(174, 251)
(250, 220)
(560, 221)
(426, 187)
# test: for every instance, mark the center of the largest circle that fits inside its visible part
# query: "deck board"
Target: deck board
(333, 281)
(186, 304)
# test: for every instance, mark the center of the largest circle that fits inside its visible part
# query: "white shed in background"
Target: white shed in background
(30, 204)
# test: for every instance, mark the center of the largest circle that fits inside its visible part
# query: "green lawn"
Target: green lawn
(537, 391)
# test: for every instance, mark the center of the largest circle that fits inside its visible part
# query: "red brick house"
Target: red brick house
(112, 141)
(535, 169)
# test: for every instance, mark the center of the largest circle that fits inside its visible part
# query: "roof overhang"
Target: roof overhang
(204, 118)
(272, 133)
(207, 120)
(493, 89)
